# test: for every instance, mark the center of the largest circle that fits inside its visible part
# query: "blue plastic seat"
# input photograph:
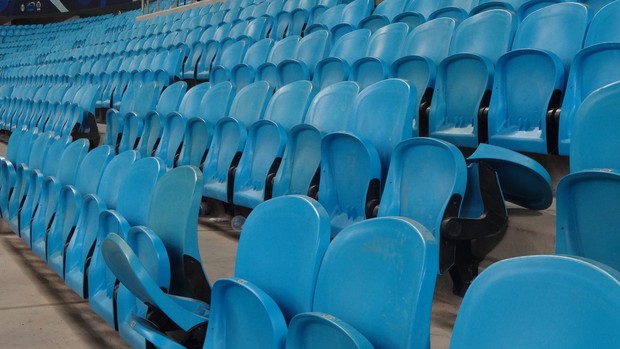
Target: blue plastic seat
(229, 137)
(464, 79)
(455, 9)
(282, 49)
(593, 139)
(283, 19)
(243, 74)
(592, 68)
(335, 68)
(391, 261)
(300, 17)
(310, 50)
(364, 151)
(80, 247)
(383, 14)
(558, 301)
(329, 111)
(327, 19)
(425, 47)
(136, 190)
(229, 57)
(543, 48)
(532, 6)
(69, 205)
(266, 141)
(66, 173)
(169, 101)
(384, 47)
(416, 12)
(485, 5)
(352, 14)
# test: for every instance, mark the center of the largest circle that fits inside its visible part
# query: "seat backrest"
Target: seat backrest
(289, 104)
(488, 34)
(258, 53)
(70, 161)
(390, 8)
(423, 177)
(351, 46)
(215, 103)
(596, 5)
(356, 10)
(283, 49)
(280, 250)
(386, 43)
(558, 28)
(170, 99)
(383, 113)
(431, 39)
(390, 265)
(331, 108)
(312, 48)
(91, 168)
(605, 26)
(173, 216)
(424, 8)
(113, 175)
(136, 191)
(251, 102)
(190, 105)
(594, 140)
(537, 301)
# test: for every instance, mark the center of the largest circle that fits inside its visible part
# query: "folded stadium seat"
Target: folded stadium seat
(365, 151)
(132, 209)
(282, 49)
(69, 205)
(282, 20)
(257, 29)
(80, 247)
(229, 138)
(212, 47)
(385, 47)
(531, 6)
(356, 260)
(335, 68)
(199, 129)
(273, 300)
(228, 58)
(455, 9)
(383, 15)
(577, 297)
(243, 73)
(85, 99)
(592, 68)
(311, 49)
(316, 12)
(169, 101)
(265, 143)
(416, 11)
(326, 20)
(43, 218)
(352, 14)
(137, 101)
(543, 49)
(18, 152)
(23, 191)
(261, 8)
(329, 111)
(247, 12)
(298, 17)
(464, 79)
(236, 31)
(485, 5)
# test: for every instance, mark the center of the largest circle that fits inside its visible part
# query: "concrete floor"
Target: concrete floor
(38, 311)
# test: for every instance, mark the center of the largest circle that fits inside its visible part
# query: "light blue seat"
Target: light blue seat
(416, 11)
(593, 140)
(229, 57)
(80, 247)
(558, 301)
(384, 47)
(464, 79)
(265, 143)
(543, 48)
(392, 261)
(68, 209)
(244, 73)
(329, 111)
(310, 50)
(301, 16)
(383, 14)
(66, 173)
(592, 68)
(173, 124)
(425, 47)
(327, 19)
(531, 6)
(282, 20)
(282, 49)
(455, 9)
(485, 5)
(335, 68)
(352, 14)
(229, 137)
(131, 210)
(364, 150)
(169, 101)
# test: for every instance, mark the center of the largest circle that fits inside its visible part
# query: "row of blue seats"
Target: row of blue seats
(63, 200)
